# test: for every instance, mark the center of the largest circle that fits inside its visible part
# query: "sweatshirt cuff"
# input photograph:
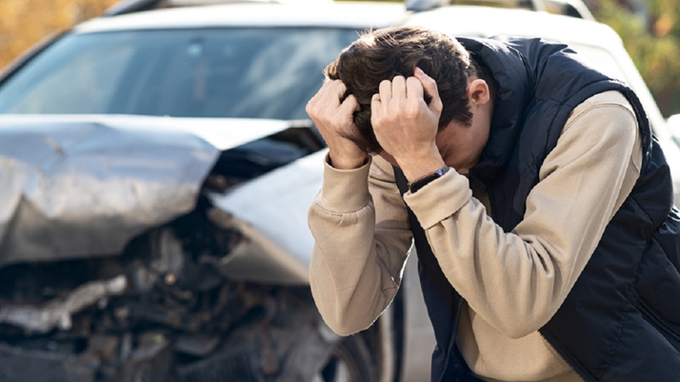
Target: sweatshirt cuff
(440, 199)
(344, 191)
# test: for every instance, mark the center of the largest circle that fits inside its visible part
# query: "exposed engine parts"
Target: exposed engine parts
(169, 315)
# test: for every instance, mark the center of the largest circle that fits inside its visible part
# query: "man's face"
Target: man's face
(459, 145)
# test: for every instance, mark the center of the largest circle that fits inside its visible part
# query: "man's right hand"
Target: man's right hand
(335, 121)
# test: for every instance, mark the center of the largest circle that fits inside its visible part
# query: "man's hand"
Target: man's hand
(406, 126)
(335, 119)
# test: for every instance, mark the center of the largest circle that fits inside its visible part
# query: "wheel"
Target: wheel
(350, 361)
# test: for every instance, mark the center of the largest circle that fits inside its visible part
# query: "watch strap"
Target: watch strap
(422, 182)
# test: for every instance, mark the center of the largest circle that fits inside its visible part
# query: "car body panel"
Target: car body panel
(101, 180)
(323, 14)
(273, 214)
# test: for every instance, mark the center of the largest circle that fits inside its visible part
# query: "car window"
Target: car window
(229, 72)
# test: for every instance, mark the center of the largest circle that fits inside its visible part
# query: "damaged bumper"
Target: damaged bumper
(149, 249)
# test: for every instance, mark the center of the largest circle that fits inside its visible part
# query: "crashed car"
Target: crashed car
(156, 166)
(155, 172)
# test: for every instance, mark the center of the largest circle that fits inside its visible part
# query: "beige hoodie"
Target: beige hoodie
(513, 282)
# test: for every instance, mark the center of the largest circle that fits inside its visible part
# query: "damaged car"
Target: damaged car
(156, 167)
(155, 172)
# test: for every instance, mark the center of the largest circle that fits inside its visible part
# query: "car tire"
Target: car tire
(350, 361)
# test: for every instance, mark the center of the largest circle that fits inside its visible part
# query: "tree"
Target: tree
(652, 39)
(25, 22)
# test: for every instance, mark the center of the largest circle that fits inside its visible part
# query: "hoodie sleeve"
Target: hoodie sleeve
(516, 281)
(362, 239)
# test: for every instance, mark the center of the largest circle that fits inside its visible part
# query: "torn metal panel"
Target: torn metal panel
(257, 257)
(84, 186)
(116, 261)
(85, 189)
(279, 244)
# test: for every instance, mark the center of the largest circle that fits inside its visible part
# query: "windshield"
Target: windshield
(212, 73)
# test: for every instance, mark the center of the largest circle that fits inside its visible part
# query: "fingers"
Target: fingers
(333, 117)
(385, 90)
(376, 102)
(350, 105)
(430, 88)
(395, 97)
(327, 101)
(414, 88)
(400, 89)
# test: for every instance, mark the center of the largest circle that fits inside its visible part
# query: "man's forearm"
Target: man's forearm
(359, 253)
(516, 281)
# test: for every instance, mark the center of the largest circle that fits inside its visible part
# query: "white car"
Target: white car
(156, 168)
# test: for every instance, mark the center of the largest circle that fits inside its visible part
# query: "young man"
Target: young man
(540, 207)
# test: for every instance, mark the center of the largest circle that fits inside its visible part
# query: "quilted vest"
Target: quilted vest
(621, 320)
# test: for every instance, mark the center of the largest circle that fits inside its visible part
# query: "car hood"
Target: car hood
(84, 186)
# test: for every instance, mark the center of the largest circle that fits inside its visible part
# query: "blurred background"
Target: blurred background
(650, 30)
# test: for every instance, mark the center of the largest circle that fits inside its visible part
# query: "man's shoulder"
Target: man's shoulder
(613, 98)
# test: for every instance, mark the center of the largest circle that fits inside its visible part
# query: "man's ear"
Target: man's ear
(478, 92)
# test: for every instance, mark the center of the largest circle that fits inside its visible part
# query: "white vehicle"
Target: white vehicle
(156, 168)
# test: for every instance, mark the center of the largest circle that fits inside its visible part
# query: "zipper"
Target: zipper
(569, 360)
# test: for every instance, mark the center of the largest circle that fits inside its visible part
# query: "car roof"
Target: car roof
(480, 21)
(357, 15)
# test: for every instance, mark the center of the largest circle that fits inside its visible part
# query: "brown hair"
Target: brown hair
(386, 53)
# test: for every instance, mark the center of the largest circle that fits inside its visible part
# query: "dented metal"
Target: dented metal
(85, 189)
(131, 250)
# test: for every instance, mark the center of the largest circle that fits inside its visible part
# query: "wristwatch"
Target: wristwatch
(420, 183)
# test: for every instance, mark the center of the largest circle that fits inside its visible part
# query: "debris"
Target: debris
(57, 313)
(19, 365)
(197, 345)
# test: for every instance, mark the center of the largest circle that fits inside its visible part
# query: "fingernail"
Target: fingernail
(419, 70)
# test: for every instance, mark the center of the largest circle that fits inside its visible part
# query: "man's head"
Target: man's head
(386, 53)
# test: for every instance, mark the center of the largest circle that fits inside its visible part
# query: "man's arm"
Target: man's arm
(362, 240)
(517, 281)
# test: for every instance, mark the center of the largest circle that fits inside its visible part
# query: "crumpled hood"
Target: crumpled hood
(83, 186)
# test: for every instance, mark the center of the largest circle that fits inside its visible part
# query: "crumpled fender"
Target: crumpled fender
(84, 189)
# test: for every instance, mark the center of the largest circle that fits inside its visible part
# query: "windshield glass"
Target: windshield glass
(234, 72)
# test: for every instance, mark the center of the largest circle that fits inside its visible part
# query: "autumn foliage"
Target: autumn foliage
(25, 22)
(651, 36)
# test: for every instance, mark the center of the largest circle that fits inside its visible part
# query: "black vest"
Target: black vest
(621, 320)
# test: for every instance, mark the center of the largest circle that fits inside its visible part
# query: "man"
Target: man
(540, 207)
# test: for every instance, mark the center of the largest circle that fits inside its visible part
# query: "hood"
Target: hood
(84, 186)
